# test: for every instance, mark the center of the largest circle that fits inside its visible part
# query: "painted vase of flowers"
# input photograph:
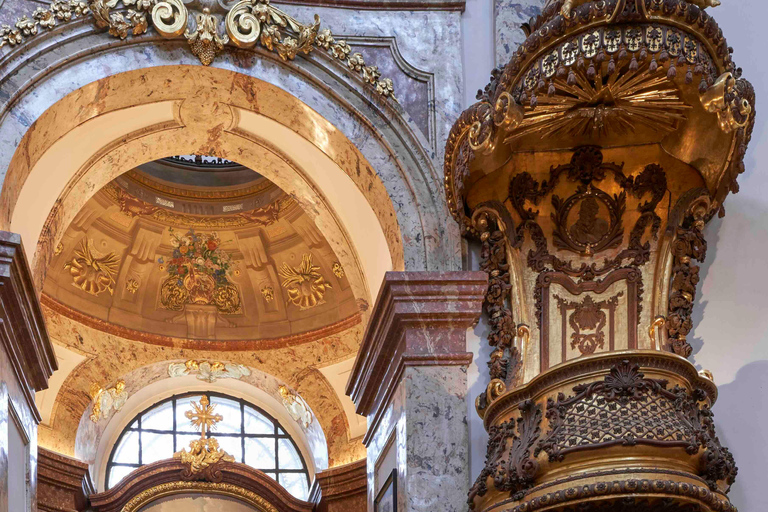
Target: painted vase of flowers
(198, 273)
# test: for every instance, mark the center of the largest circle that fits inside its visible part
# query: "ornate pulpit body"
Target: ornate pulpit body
(588, 170)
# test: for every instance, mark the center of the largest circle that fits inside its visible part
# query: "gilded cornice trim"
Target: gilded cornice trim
(265, 215)
(219, 345)
(247, 22)
(196, 194)
(155, 493)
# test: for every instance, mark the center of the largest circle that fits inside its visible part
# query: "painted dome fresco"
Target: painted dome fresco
(191, 248)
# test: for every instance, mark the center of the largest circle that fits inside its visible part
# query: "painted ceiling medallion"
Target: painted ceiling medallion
(208, 371)
(203, 452)
(305, 285)
(198, 273)
(247, 23)
(91, 272)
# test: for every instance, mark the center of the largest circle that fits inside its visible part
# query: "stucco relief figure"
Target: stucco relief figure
(589, 228)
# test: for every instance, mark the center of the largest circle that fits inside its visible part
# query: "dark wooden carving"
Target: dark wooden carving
(588, 315)
(508, 461)
(505, 360)
(628, 409)
(689, 245)
(586, 168)
(173, 470)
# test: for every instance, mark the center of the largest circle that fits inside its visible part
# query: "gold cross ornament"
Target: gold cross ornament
(203, 452)
(201, 416)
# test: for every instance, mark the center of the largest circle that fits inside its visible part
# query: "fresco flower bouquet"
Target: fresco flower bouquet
(198, 273)
(199, 253)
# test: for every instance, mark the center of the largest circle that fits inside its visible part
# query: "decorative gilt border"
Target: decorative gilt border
(223, 489)
(247, 23)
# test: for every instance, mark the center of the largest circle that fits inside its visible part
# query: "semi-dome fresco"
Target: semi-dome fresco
(198, 248)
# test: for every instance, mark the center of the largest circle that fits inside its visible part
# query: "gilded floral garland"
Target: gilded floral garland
(247, 23)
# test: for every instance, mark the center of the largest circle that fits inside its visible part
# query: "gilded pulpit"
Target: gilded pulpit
(587, 171)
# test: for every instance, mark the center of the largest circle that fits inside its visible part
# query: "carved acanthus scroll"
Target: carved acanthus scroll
(689, 244)
(247, 23)
(505, 358)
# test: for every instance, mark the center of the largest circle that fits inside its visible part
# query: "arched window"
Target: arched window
(247, 433)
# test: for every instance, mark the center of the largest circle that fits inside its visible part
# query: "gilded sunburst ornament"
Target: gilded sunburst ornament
(305, 285)
(91, 272)
(581, 106)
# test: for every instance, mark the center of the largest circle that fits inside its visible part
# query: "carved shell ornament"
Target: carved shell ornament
(247, 23)
(91, 272)
(305, 285)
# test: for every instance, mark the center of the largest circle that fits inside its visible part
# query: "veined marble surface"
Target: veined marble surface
(509, 15)
(427, 416)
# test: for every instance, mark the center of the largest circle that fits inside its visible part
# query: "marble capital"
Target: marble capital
(64, 483)
(419, 319)
(341, 489)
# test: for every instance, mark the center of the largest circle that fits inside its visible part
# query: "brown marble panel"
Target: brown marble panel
(64, 483)
(341, 489)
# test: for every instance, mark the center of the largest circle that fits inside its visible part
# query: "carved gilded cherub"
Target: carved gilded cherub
(570, 5)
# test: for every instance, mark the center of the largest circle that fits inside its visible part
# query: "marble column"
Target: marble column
(410, 380)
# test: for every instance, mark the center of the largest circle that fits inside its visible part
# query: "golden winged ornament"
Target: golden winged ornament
(91, 272)
(305, 285)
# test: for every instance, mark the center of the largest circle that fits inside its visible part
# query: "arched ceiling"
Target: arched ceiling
(199, 256)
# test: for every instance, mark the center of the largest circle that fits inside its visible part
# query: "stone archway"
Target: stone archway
(103, 129)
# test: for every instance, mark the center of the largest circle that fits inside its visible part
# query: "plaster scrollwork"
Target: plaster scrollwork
(247, 23)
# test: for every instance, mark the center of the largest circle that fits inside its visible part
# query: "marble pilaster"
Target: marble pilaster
(64, 483)
(341, 489)
(410, 380)
(26, 362)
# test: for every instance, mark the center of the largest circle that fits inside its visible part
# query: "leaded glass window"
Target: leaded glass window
(247, 433)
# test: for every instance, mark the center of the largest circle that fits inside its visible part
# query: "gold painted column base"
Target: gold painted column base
(621, 432)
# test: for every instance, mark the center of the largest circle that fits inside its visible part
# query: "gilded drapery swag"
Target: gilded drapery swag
(247, 23)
